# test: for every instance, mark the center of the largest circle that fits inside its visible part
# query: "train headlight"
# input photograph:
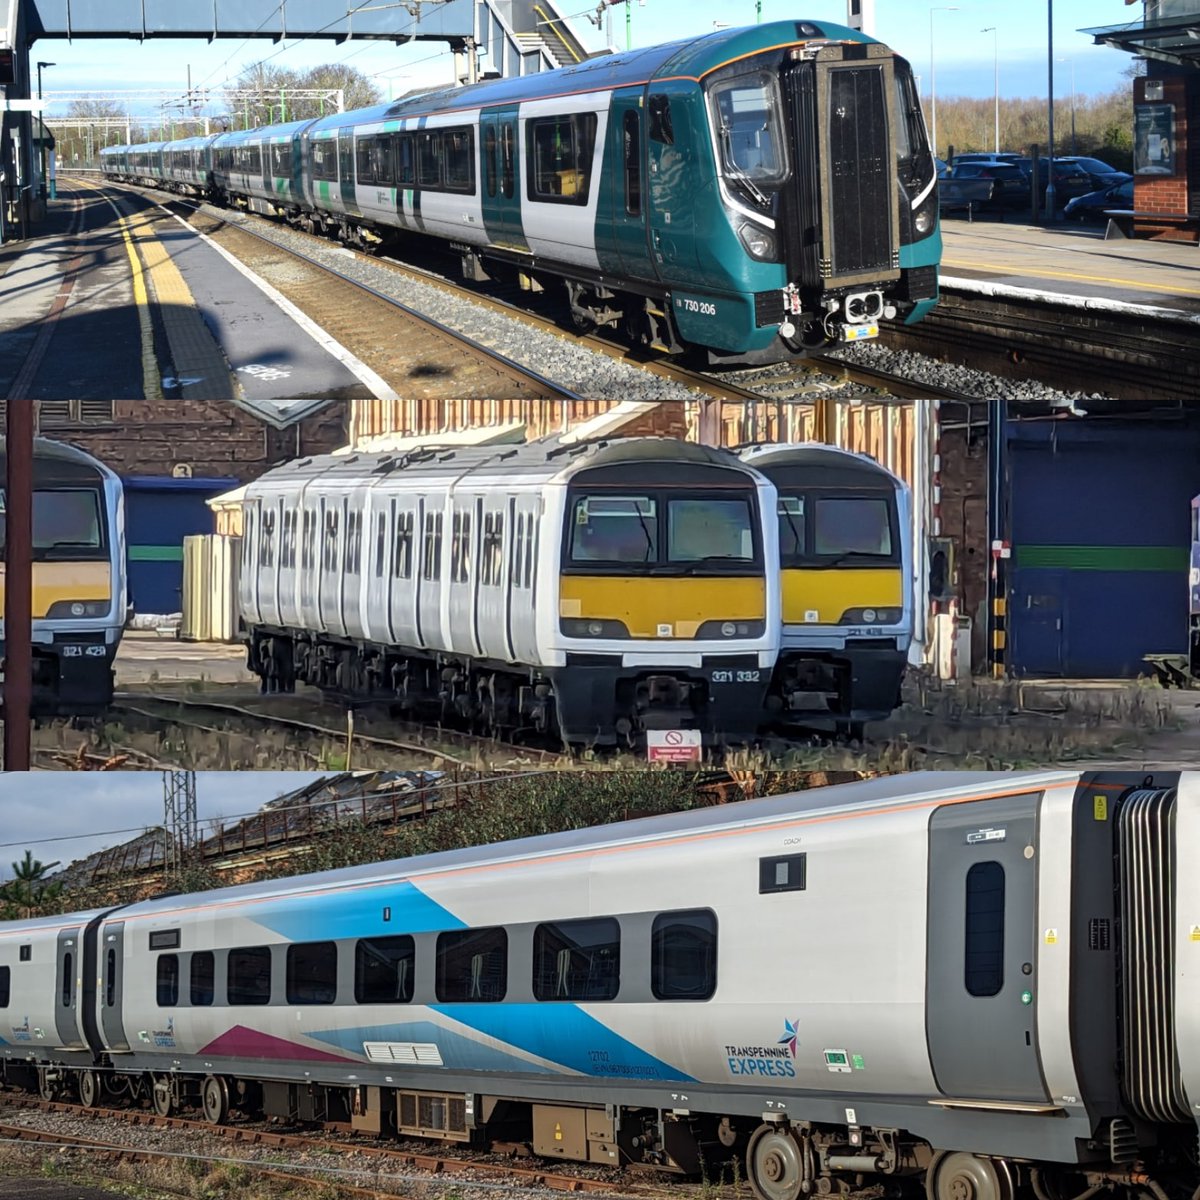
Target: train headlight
(759, 242)
(729, 629)
(577, 627)
(62, 610)
(871, 616)
(923, 220)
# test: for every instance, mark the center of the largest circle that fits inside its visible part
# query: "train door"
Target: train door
(491, 596)
(500, 156)
(430, 567)
(112, 967)
(417, 561)
(981, 985)
(522, 611)
(322, 556)
(671, 194)
(70, 970)
(626, 163)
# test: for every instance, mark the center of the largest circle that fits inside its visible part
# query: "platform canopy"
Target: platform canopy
(337, 20)
(1169, 31)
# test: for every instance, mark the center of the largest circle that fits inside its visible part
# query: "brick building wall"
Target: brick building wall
(1178, 192)
(215, 438)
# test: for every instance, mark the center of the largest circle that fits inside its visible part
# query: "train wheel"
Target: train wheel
(89, 1089)
(215, 1097)
(775, 1164)
(160, 1094)
(46, 1088)
(960, 1176)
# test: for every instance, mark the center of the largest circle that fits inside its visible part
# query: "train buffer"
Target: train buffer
(1171, 670)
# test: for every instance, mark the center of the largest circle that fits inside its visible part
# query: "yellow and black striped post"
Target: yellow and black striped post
(998, 656)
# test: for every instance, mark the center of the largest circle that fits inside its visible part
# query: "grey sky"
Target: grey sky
(89, 808)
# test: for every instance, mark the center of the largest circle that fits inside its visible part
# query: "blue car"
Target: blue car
(1092, 206)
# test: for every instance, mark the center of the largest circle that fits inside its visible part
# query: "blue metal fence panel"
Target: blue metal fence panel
(1099, 515)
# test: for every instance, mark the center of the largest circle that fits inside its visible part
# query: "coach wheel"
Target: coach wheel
(775, 1164)
(215, 1097)
(160, 1095)
(46, 1085)
(89, 1089)
(960, 1176)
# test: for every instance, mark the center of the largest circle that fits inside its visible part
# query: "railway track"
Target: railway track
(815, 375)
(397, 1162)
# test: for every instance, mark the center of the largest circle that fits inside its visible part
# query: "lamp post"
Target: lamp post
(933, 72)
(42, 127)
(1050, 139)
(996, 78)
(1071, 63)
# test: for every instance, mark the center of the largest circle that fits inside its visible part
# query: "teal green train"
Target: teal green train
(754, 193)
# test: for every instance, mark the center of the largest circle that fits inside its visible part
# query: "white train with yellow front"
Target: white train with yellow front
(602, 590)
(80, 588)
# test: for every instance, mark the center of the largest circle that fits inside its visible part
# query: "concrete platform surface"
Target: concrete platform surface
(146, 657)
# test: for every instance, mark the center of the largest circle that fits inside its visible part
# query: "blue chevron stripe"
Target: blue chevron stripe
(356, 913)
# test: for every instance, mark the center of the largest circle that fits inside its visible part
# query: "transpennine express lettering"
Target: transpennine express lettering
(761, 1060)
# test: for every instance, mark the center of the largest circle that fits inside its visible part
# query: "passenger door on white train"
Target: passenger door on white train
(981, 981)
(464, 569)
(66, 1001)
(112, 963)
(492, 592)
(522, 616)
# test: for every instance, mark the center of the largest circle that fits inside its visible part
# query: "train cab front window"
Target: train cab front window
(662, 534)
(825, 531)
(66, 524)
(747, 116)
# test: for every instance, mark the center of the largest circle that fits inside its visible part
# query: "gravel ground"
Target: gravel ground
(337, 1161)
(596, 375)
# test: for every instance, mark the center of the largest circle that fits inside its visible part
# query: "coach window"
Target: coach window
(489, 162)
(5, 986)
(458, 156)
(110, 977)
(203, 978)
(431, 569)
(167, 981)
(324, 158)
(380, 544)
(307, 540)
(402, 562)
(364, 168)
(429, 159)
(984, 950)
(460, 549)
(68, 978)
(508, 161)
(383, 970)
(530, 549)
(329, 551)
(353, 543)
(472, 965)
(312, 973)
(631, 143)
(577, 960)
(406, 171)
(662, 128)
(266, 555)
(248, 978)
(560, 149)
(683, 955)
(491, 564)
(281, 160)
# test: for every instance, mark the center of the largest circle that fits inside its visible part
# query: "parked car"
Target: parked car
(974, 156)
(1070, 180)
(1101, 174)
(1090, 207)
(1010, 189)
(943, 167)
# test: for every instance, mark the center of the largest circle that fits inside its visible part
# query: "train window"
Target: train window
(793, 537)
(364, 167)
(785, 873)
(631, 144)
(402, 562)
(353, 543)
(330, 547)
(248, 978)
(683, 955)
(203, 977)
(5, 986)
(308, 541)
(614, 529)
(472, 966)
(255, 160)
(312, 973)
(491, 556)
(458, 160)
(662, 128)
(852, 526)
(26, 954)
(747, 115)
(429, 159)
(710, 528)
(406, 170)
(68, 979)
(431, 568)
(518, 551)
(110, 977)
(490, 171)
(164, 939)
(380, 544)
(281, 160)
(167, 981)
(287, 545)
(560, 149)
(323, 152)
(530, 549)
(460, 549)
(508, 161)
(984, 950)
(266, 550)
(383, 970)
(577, 960)
(66, 523)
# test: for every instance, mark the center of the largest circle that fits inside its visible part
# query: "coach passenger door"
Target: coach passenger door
(500, 154)
(112, 963)
(981, 986)
(66, 995)
(625, 167)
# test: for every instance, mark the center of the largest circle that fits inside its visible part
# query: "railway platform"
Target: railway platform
(145, 658)
(121, 299)
(1071, 265)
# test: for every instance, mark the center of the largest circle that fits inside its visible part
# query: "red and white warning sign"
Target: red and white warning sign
(674, 745)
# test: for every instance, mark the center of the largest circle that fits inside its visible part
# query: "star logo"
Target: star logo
(791, 1035)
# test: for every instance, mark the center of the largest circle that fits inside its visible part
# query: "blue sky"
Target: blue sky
(964, 54)
(89, 811)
